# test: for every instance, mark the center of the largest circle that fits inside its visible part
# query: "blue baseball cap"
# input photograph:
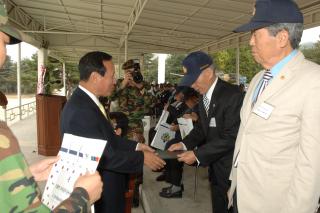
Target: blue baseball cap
(269, 12)
(193, 65)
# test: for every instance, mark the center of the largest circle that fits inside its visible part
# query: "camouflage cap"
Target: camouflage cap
(15, 35)
(130, 64)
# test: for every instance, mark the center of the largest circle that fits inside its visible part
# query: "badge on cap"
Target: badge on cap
(254, 11)
(184, 70)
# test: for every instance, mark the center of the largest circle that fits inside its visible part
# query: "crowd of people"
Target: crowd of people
(261, 149)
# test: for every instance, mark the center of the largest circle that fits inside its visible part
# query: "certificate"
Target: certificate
(78, 155)
(163, 135)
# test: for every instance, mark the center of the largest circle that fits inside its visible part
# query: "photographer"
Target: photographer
(133, 99)
(135, 102)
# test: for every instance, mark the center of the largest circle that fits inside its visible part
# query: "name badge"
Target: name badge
(264, 110)
(213, 122)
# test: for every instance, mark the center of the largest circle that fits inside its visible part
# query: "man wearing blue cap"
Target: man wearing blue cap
(215, 133)
(276, 163)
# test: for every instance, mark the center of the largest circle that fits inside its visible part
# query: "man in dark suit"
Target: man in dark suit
(216, 131)
(84, 115)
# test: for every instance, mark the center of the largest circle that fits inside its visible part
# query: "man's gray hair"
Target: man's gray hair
(294, 30)
(213, 67)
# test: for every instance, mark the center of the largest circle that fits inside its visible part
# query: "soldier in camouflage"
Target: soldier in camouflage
(18, 189)
(133, 98)
(134, 101)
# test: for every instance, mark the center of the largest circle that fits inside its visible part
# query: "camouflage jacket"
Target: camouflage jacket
(134, 103)
(18, 189)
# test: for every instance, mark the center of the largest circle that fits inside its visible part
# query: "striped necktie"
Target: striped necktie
(206, 103)
(265, 81)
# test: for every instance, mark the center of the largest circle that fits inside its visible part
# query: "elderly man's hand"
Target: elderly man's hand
(153, 161)
(176, 147)
(187, 157)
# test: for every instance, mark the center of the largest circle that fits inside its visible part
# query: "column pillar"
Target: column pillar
(238, 64)
(42, 59)
(64, 78)
(19, 79)
(126, 48)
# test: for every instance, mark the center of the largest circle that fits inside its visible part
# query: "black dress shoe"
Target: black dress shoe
(169, 194)
(161, 177)
(166, 188)
(169, 187)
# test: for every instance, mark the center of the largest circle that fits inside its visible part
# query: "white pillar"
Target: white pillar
(238, 65)
(142, 63)
(64, 78)
(126, 48)
(19, 79)
(42, 58)
(119, 65)
(161, 68)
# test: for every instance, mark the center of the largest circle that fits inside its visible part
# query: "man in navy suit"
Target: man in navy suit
(216, 131)
(83, 115)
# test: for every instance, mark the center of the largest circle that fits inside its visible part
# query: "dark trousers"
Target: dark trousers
(113, 195)
(173, 172)
(173, 168)
(219, 199)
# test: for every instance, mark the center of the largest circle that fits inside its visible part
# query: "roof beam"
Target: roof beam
(59, 13)
(310, 12)
(135, 14)
(24, 21)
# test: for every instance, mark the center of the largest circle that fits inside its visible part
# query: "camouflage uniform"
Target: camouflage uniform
(135, 106)
(19, 191)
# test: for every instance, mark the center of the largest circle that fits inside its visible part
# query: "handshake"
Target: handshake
(151, 159)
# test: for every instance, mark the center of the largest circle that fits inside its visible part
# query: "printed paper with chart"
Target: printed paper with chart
(77, 156)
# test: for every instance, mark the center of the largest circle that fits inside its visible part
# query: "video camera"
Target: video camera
(135, 65)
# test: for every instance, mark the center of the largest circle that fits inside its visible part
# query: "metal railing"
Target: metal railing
(17, 113)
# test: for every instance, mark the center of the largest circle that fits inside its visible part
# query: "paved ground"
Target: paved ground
(190, 202)
(26, 132)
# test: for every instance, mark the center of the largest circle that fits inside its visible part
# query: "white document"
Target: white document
(78, 155)
(163, 119)
(163, 135)
(185, 126)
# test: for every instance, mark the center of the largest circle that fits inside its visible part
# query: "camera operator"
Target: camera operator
(133, 98)
(135, 102)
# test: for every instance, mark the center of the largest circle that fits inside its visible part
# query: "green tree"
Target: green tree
(173, 66)
(312, 53)
(150, 67)
(8, 77)
(29, 75)
(226, 62)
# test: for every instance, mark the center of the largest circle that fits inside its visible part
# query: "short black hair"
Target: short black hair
(93, 62)
(121, 122)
